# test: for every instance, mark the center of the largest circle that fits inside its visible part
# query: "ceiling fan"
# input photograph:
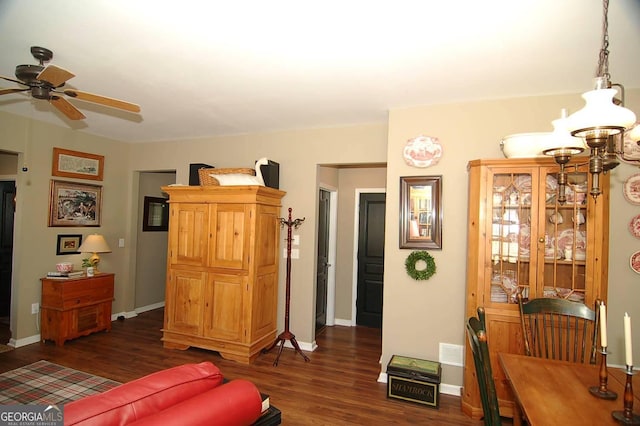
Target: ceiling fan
(46, 83)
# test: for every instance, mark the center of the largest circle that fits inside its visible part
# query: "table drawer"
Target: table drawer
(83, 295)
(67, 294)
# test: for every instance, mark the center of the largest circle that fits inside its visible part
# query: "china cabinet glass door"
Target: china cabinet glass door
(565, 238)
(512, 206)
(538, 246)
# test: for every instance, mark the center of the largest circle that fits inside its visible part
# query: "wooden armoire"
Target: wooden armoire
(222, 269)
(522, 240)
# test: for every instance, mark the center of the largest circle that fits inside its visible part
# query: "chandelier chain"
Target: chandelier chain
(603, 60)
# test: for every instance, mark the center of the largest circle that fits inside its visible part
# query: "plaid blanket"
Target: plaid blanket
(46, 383)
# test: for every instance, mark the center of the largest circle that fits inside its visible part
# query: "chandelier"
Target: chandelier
(601, 122)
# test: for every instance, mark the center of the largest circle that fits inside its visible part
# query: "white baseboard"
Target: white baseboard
(444, 388)
(150, 307)
(305, 346)
(343, 322)
(450, 389)
(24, 341)
(136, 311)
(115, 316)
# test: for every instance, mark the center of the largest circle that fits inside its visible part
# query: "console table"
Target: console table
(75, 307)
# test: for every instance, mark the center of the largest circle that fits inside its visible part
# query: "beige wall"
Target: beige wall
(151, 246)
(8, 164)
(417, 315)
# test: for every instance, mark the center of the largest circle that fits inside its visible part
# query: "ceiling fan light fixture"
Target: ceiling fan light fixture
(41, 92)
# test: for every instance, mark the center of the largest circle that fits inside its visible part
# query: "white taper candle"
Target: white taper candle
(627, 339)
(603, 325)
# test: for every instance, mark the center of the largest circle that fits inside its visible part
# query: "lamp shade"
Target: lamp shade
(600, 114)
(94, 243)
(560, 141)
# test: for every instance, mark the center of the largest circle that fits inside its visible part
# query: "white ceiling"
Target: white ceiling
(204, 68)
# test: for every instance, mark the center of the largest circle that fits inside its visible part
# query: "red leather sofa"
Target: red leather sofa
(190, 394)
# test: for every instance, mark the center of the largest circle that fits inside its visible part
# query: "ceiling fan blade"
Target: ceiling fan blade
(65, 107)
(12, 80)
(103, 100)
(15, 90)
(54, 75)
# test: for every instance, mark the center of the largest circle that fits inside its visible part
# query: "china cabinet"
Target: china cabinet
(222, 269)
(522, 240)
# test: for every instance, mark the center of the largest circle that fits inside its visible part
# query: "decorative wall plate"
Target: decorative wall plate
(634, 226)
(634, 262)
(423, 151)
(632, 189)
(631, 148)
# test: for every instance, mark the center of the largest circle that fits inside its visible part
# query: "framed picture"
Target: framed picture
(68, 243)
(421, 212)
(75, 164)
(156, 214)
(74, 204)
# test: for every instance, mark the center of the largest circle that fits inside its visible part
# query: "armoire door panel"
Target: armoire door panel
(185, 301)
(264, 313)
(188, 245)
(231, 227)
(224, 307)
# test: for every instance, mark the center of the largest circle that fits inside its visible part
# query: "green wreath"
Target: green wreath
(423, 274)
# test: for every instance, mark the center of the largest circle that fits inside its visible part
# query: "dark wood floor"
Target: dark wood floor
(338, 387)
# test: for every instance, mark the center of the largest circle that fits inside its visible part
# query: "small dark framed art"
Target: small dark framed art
(156, 214)
(68, 244)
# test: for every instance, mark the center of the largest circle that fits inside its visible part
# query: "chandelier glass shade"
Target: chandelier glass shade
(600, 117)
(563, 147)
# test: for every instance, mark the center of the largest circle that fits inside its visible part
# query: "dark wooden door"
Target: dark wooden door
(370, 260)
(7, 209)
(323, 259)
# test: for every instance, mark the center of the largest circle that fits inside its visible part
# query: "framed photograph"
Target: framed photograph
(421, 212)
(74, 204)
(156, 214)
(68, 243)
(76, 164)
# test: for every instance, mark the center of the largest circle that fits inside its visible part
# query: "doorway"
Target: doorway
(370, 258)
(7, 210)
(151, 245)
(322, 269)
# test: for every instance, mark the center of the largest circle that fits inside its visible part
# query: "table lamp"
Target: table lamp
(94, 243)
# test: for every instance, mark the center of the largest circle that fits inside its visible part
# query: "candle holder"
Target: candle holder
(627, 416)
(601, 391)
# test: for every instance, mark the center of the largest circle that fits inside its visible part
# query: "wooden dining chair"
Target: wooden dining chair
(559, 329)
(477, 335)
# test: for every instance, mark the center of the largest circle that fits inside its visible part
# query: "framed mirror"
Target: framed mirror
(421, 212)
(156, 214)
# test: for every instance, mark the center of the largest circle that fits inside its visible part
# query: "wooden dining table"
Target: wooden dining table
(553, 392)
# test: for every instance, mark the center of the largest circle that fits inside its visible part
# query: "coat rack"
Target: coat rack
(286, 334)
